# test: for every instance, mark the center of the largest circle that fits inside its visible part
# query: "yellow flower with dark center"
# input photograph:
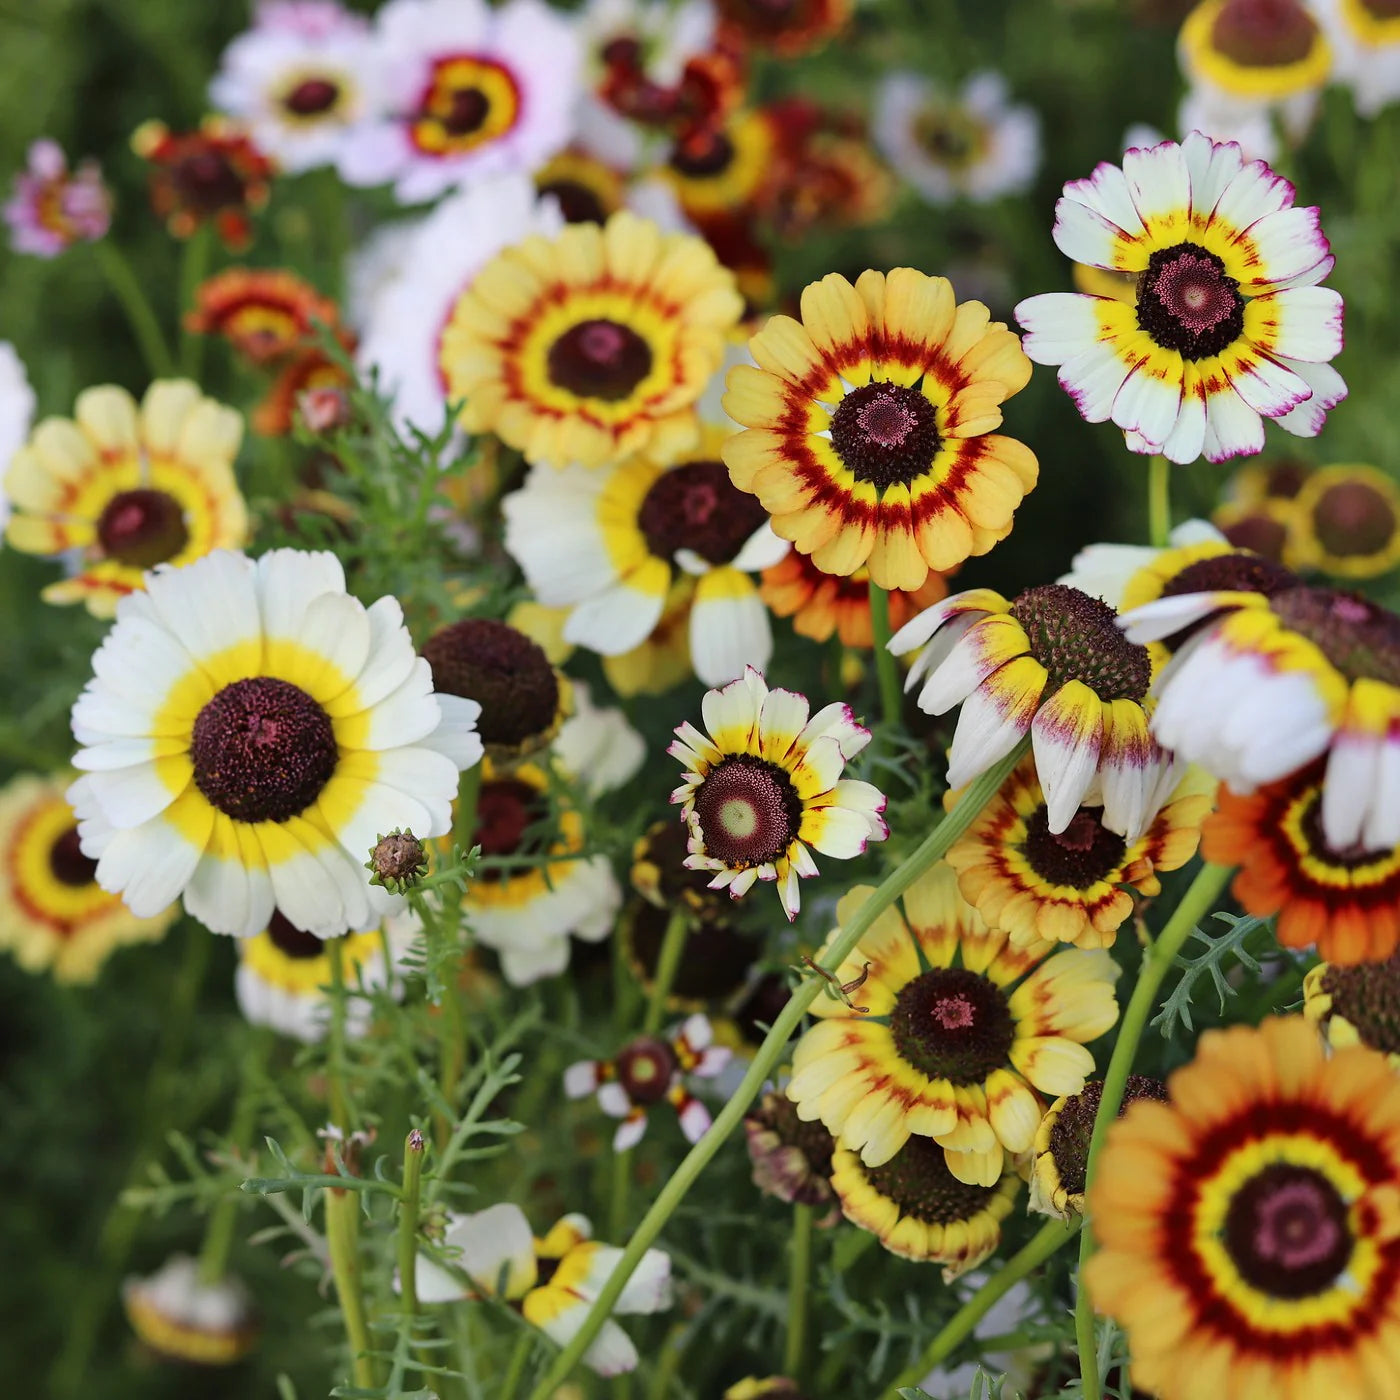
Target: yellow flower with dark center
(1249, 1229)
(469, 101)
(1345, 521)
(1255, 50)
(265, 314)
(588, 190)
(1357, 1005)
(870, 427)
(721, 171)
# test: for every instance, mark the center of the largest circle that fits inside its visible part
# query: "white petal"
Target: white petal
(615, 621)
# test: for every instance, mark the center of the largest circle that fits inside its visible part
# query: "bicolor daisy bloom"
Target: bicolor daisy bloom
(765, 784)
(955, 1034)
(306, 376)
(551, 1281)
(1229, 326)
(647, 1071)
(54, 916)
(919, 1209)
(1076, 886)
(720, 170)
(787, 29)
(1052, 664)
(592, 345)
(120, 488)
(975, 144)
(791, 1159)
(870, 425)
(1365, 37)
(249, 733)
(301, 80)
(1268, 682)
(1345, 521)
(264, 313)
(466, 91)
(187, 1319)
(609, 545)
(1356, 1005)
(16, 414)
(1249, 1239)
(53, 208)
(1127, 575)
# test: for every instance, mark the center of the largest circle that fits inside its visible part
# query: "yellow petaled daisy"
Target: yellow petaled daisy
(1255, 52)
(1357, 1005)
(54, 916)
(766, 784)
(188, 1319)
(917, 1208)
(870, 426)
(588, 190)
(591, 345)
(954, 1031)
(1075, 886)
(249, 733)
(1345, 521)
(719, 171)
(1249, 1229)
(126, 488)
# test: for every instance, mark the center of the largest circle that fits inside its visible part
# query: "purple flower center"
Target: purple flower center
(1188, 304)
(748, 810)
(885, 434)
(696, 506)
(644, 1070)
(506, 809)
(142, 528)
(312, 97)
(577, 203)
(207, 181)
(599, 359)
(953, 1024)
(1287, 1231)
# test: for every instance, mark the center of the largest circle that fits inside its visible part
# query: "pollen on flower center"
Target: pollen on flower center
(885, 433)
(1359, 637)
(311, 97)
(1264, 33)
(503, 670)
(1187, 303)
(748, 811)
(696, 506)
(1287, 1232)
(262, 750)
(1081, 855)
(644, 1069)
(952, 1024)
(288, 939)
(599, 359)
(67, 863)
(1076, 638)
(142, 528)
(918, 1181)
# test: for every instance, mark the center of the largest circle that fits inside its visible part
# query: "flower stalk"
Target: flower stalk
(145, 327)
(886, 668)
(799, 1289)
(1159, 505)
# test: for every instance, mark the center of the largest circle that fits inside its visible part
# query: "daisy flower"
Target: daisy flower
(551, 1281)
(832, 180)
(587, 190)
(1365, 36)
(596, 746)
(791, 1159)
(16, 414)
(1356, 1005)
(974, 144)
(1127, 575)
(301, 79)
(721, 170)
(957, 1033)
(307, 375)
(787, 29)
(1229, 325)
(650, 1070)
(1345, 521)
(265, 314)
(1247, 1228)
(186, 1319)
(467, 91)
(870, 425)
(54, 916)
(1053, 664)
(121, 488)
(53, 208)
(592, 345)
(765, 784)
(249, 733)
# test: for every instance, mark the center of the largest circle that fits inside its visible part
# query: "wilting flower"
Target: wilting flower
(53, 208)
(1345, 521)
(1229, 325)
(592, 345)
(265, 314)
(1248, 1230)
(791, 1159)
(1356, 1005)
(952, 1031)
(1365, 37)
(16, 414)
(249, 732)
(552, 1282)
(789, 28)
(975, 145)
(187, 1319)
(870, 427)
(650, 1070)
(467, 91)
(765, 784)
(125, 487)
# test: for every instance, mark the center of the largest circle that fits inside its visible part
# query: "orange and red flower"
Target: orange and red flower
(264, 313)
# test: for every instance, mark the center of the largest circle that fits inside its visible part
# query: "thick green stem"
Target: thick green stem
(408, 1221)
(335, 1039)
(343, 1245)
(930, 851)
(667, 962)
(799, 1287)
(959, 1327)
(145, 326)
(1195, 904)
(886, 668)
(1159, 504)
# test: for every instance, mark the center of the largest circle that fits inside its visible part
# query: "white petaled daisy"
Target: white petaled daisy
(1228, 326)
(1365, 38)
(16, 413)
(469, 91)
(1107, 571)
(249, 732)
(181, 1316)
(596, 746)
(765, 784)
(974, 145)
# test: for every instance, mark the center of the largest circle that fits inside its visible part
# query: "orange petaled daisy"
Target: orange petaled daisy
(1249, 1229)
(955, 1035)
(1075, 886)
(1357, 1005)
(870, 426)
(1345, 521)
(783, 27)
(127, 487)
(54, 916)
(265, 314)
(593, 344)
(308, 371)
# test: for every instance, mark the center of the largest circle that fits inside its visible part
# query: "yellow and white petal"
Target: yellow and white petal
(492, 1243)
(150, 865)
(995, 718)
(729, 627)
(1052, 1064)
(624, 616)
(1066, 737)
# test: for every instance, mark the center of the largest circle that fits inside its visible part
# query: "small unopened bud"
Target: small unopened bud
(415, 1141)
(324, 409)
(397, 862)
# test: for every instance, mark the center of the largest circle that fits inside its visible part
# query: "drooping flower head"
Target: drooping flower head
(1345, 521)
(184, 1319)
(791, 1159)
(765, 784)
(265, 314)
(1229, 325)
(870, 425)
(52, 207)
(1357, 1005)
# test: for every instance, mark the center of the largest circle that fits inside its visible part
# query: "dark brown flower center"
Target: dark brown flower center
(885, 433)
(644, 1069)
(289, 939)
(577, 203)
(1187, 303)
(1368, 995)
(1382, 9)
(207, 181)
(1352, 518)
(1359, 637)
(1284, 477)
(1259, 532)
(1231, 573)
(1287, 1231)
(749, 811)
(506, 810)
(312, 97)
(695, 506)
(503, 670)
(1081, 855)
(1074, 1125)
(778, 1114)
(953, 1024)
(702, 155)
(599, 359)
(142, 528)
(1264, 33)
(918, 1181)
(262, 750)
(67, 863)
(714, 962)
(466, 111)
(1076, 638)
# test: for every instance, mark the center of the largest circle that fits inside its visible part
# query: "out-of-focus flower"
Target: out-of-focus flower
(1345, 521)
(552, 1281)
(1229, 326)
(1365, 37)
(120, 488)
(265, 314)
(186, 1319)
(718, 171)
(661, 662)
(829, 180)
(791, 1159)
(787, 28)
(16, 415)
(1356, 1005)
(1127, 575)
(250, 731)
(588, 190)
(975, 144)
(765, 1388)
(1261, 527)
(597, 746)
(311, 370)
(765, 784)
(870, 427)
(52, 207)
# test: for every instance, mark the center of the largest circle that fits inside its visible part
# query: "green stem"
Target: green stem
(145, 327)
(621, 1189)
(1195, 904)
(343, 1244)
(668, 962)
(464, 827)
(799, 1287)
(223, 1219)
(524, 1345)
(413, 1149)
(886, 668)
(928, 853)
(335, 1039)
(194, 268)
(1159, 504)
(958, 1328)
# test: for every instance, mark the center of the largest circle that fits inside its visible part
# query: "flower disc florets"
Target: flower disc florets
(695, 506)
(748, 810)
(953, 1024)
(1287, 1231)
(1360, 638)
(1187, 302)
(919, 1182)
(1076, 638)
(886, 433)
(1081, 855)
(1073, 1126)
